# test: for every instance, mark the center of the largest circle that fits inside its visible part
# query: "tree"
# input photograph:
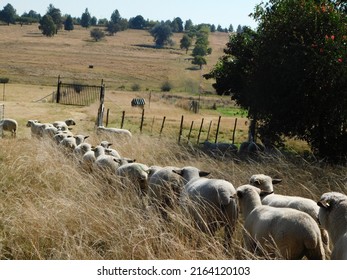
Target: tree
(93, 21)
(231, 28)
(8, 14)
(97, 34)
(162, 34)
(177, 25)
(188, 24)
(137, 22)
(292, 74)
(199, 60)
(185, 42)
(47, 26)
(239, 29)
(85, 19)
(56, 17)
(68, 24)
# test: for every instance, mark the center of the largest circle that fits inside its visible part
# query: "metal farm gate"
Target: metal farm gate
(2, 115)
(77, 94)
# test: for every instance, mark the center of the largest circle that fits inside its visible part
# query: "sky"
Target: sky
(218, 12)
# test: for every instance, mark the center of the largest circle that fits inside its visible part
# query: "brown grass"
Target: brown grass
(51, 209)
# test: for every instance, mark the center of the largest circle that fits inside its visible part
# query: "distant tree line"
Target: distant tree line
(8, 15)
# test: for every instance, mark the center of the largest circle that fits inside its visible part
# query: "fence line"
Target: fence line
(2, 115)
(181, 128)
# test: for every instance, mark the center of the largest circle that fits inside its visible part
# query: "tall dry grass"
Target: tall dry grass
(51, 209)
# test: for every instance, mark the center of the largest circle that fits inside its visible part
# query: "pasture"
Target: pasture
(50, 208)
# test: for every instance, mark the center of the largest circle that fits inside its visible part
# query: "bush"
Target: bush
(135, 87)
(97, 34)
(166, 86)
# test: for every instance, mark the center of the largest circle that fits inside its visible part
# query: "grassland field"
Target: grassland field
(52, 209)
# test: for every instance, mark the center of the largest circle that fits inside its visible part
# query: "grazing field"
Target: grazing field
(50, 208)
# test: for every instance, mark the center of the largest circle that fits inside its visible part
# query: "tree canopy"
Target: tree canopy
(162, 34)
(8, 14)
(47, 26)
(86, 19)
(291, 73)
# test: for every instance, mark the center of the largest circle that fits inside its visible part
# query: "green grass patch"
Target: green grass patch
(232, 112)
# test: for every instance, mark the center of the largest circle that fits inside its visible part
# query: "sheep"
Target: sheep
(292, 233)
(35, 128)
(220, 148)
(71, 142)
(67, 122)
(210, 202)
(89, 157)
(114, 131)
(333, 217)
(265, 184)
(10, 125)
(82, 148)
(164, 187)
(136, 174)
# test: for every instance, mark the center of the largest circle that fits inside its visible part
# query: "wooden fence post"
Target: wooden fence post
(142, 118)
(181, 129)
(162, 126)
(190, 131)
(208, 132)
(122, 122)
(233, 138)
(202, 122)
(107, 116)
(217, 132)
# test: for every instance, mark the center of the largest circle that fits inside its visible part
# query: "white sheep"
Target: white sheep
(211, 202)
(10, 125)
(134, 174)
(89, 157)
(291, 233)
(164, 187)
(268, 197)
(114, 131)
(67, 122)
(81, 149)
(333, 217)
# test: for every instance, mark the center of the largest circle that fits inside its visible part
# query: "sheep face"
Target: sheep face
(264, 182)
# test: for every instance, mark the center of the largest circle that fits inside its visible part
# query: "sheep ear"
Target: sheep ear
(276, 181)
(324, 203)
(177, 171)
(204, 173)
(85, 137)
(239, 194)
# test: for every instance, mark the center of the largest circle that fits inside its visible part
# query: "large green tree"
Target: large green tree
(292, 74)
(68, 23)
(8, 14)
(162, 34)
(56, 16)
(47, 26)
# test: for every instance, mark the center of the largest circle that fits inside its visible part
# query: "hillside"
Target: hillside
(122, 60)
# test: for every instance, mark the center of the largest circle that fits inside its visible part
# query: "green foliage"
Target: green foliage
(162, 34)
(56, 17)
(85, 19)
(135, 87)
(166, 86)
(8, 14)
(97, 34)
(137, 22)
(185, 42)
(199, 60)
(47, 26)
(292, 74)
(68, 24)
(177, 25)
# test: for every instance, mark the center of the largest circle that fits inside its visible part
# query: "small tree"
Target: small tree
(97, 34)
(68, 24)
(199, 60)
(186, 42)
(85, 19)
(162, 34)
(137, 22)
(47, 26)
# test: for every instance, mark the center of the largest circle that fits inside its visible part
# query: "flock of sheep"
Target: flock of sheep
(289, 227)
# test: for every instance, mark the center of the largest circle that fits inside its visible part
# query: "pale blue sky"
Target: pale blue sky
(223, 12)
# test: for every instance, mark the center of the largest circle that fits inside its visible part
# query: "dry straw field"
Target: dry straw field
(52, 209)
